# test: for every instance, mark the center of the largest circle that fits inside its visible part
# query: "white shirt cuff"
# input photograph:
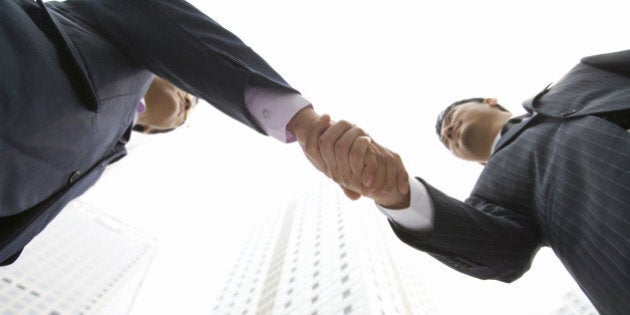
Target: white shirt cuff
(272, 109)
(419, 216)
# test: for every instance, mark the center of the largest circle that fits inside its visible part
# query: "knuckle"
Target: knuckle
(397, 158)
(341, 146)
(355, 155)
(324, 140)
(344, 123)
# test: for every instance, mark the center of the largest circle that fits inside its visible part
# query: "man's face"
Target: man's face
(167, 106)
(468, 129)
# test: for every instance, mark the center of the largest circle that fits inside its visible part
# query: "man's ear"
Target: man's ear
(491, 101)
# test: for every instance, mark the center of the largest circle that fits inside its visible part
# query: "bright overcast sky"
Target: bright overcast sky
(389, 67)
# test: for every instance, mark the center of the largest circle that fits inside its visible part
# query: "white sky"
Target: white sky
(389, 67)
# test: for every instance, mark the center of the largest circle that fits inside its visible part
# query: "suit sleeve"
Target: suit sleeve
(174, 40)
(476, 237)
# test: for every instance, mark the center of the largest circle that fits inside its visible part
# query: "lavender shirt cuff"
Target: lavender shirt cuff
(419, 216)
(272, 109)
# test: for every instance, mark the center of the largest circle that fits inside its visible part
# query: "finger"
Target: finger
(343, 148)
(402, 177)
(389, 182)
(327, 142)
(357, 157)
(370, 167)
(311, 146)
(381, 171)
(351, 194)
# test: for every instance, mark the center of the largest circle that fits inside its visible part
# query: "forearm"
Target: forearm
(476, 237)
(179, 43)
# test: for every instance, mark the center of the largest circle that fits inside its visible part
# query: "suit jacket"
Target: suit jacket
(560, 179)
(72, 74)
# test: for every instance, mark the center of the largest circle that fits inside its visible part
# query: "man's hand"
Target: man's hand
(348, 155)
(363, 167)
(307, 126)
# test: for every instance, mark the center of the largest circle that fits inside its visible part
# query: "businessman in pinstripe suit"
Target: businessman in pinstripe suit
(73, 73)
(559, 178)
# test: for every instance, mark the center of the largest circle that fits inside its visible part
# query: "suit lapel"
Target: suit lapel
(85, 89)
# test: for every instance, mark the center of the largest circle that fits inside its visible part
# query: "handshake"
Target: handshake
(347, 155)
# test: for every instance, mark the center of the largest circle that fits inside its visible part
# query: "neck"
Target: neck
(503, 118)
(495, 130)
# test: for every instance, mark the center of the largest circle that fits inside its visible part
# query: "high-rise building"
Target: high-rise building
(321, 256)
(575, 302)
(84, 262)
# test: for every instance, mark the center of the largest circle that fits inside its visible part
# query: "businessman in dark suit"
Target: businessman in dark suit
(558, 177)
(73, 73)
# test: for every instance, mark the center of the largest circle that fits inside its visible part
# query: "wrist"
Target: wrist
(301, 122)
(396, 203)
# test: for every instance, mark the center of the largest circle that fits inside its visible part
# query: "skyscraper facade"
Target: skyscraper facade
(324, 255)
(85, 262)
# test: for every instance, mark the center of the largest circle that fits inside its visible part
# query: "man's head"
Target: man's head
(167, 107)
(468, 127)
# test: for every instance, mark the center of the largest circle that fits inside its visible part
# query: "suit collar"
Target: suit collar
(513, 132)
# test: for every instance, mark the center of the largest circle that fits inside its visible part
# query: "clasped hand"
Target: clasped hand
(350, 157)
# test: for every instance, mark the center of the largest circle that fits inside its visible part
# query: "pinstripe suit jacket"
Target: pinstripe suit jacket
(72, 75)
(560, 179)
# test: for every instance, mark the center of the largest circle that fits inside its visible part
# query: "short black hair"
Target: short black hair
(143, 129)
(442, 115)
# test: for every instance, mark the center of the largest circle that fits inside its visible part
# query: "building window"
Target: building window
(346, 293)
(314, 299)
(344, 279)
(316, 285)
(287, 305)
(348, 309)
(315, 274)
(344, 266)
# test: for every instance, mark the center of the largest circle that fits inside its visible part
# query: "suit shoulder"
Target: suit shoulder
(615, 62)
